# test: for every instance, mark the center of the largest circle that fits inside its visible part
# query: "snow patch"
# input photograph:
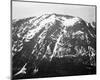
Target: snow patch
(69, 22)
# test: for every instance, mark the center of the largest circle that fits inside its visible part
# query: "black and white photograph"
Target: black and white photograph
(52, 39)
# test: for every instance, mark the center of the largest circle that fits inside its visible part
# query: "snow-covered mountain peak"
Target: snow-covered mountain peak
(54, 36)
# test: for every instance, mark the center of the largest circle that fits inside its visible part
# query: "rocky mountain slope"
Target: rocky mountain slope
(57, 41)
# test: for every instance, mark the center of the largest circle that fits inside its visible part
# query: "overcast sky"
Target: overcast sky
(29, 9)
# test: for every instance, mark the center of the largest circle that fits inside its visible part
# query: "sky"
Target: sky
(29, 9)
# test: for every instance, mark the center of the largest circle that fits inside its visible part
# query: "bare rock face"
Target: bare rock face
(52, 40)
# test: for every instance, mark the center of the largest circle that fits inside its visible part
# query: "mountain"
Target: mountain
(53, 45)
